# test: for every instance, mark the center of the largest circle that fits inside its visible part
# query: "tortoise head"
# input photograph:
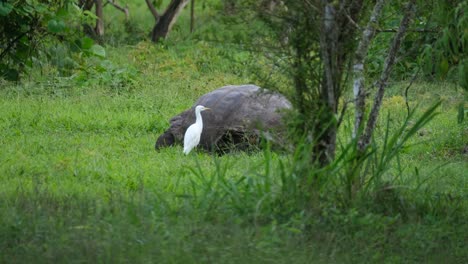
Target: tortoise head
(165, 140)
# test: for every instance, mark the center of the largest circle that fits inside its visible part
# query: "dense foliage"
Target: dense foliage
(24, 25)
(36, 33)
(445, 51)
(436, 45)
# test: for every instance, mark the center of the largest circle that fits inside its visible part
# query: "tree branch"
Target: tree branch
(167, 20)
(364, 140)
(407, 89)
(153, 10)
(123, 9)
(351, 20)
(416, 30)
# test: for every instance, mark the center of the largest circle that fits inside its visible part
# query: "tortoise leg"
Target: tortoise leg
(165, 140)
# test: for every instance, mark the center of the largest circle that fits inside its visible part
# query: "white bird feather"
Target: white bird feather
(193, 133)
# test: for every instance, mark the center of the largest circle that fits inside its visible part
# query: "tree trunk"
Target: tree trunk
(358, 67)
(99, 29)
(336, 45)
(326, 131)
(167, 20)
(153, 10)
(192, 16)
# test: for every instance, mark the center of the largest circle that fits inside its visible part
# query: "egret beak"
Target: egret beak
(206, 108)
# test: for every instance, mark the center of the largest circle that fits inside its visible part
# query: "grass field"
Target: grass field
(81, 182)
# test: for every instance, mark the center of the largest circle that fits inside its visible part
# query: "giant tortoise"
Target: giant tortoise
(240, 116)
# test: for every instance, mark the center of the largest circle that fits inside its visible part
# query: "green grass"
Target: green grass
(81, 182)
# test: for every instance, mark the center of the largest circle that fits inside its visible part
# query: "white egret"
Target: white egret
(193, 133)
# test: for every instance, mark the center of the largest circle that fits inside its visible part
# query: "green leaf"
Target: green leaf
(443, 67)
(462, 75)
(454, 42)
(427, 60)
(61, 24)
(444, 40)
(28, 9)
(158, 3)
(62, 12)
(98, 50)
(55, 26)
(87, 43)
(42, 8)
(52, 25)
(5, 8)
(461, 113)
(9, 74)
(90, 14)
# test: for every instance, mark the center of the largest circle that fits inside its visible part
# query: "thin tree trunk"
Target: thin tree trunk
(99, 29)
(325, 132)
(360, 93)
(336, 40)
(192, 16)
(365, 138)
(167, 20)
(328, 39)
(358, 67)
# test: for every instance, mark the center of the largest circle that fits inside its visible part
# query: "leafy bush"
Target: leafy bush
(445, 55)
(436, 45)
(36, 31)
